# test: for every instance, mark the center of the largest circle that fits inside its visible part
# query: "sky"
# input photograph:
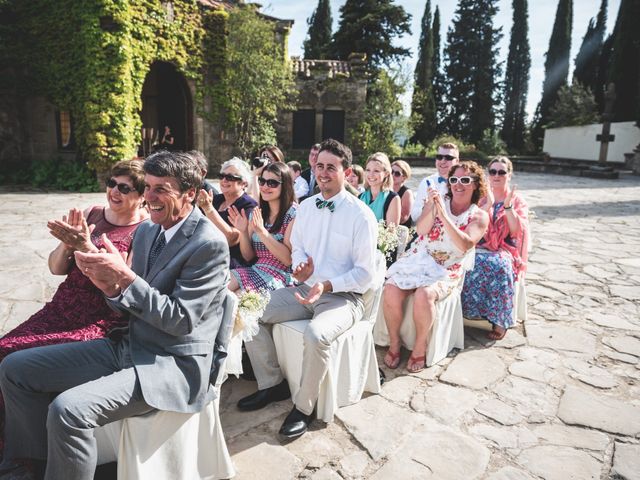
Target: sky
(541, 17)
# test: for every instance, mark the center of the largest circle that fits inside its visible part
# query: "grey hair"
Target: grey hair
(240, 165)
(177, 165)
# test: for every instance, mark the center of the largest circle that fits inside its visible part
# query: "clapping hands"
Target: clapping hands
(435, 199)
(73, 231)
(257, 223)
(238, 219)
(508, 201)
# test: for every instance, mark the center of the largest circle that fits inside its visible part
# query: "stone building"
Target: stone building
(126, 99)
(331, 100)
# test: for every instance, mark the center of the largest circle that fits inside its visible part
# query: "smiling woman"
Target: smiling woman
(78, 310)
(265, 235)
(447, 230)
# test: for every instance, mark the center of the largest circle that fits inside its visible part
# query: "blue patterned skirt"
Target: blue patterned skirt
(489, 288)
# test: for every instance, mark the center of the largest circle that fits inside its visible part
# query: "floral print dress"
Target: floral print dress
(433, 259)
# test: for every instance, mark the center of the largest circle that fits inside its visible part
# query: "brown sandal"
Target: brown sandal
(495, 334)
(416, 364)
(393, 359)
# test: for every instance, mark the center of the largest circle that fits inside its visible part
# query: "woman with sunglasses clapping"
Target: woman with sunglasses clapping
(77, 310)
(265, 234)
(501, 256)
(234, 180)
(447, 230)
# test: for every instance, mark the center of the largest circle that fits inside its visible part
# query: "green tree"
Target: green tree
(423, 109)
(439, 89)
(318, 40)
(575, 106)
(516, 84)
(370, 26)
(588, 58)
(472, 70)
(257, 82)
(382, 116)
(556, 68)
(624, 71)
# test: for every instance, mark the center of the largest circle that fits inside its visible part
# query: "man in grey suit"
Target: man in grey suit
(173, 295)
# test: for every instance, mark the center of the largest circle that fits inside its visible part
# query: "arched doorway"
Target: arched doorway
(166, 100)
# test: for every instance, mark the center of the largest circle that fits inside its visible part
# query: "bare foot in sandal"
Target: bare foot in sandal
(392, 359)
(497, 333)
(416, 364)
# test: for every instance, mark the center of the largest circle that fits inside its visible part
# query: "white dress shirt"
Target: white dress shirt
(421, 194)
(300, 187)
(342, 243)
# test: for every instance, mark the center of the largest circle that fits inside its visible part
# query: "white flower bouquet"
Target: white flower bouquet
(251, 305)
(387, 239)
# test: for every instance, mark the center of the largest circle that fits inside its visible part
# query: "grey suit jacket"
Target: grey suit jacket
(175, 310)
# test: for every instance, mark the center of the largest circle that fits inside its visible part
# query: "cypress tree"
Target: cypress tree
(556, 67)
(516, 85)
(588, 58)
(422, 102)
(318, 40)
(438, 79)
(625, 62)
(472, 70)
(370, 26)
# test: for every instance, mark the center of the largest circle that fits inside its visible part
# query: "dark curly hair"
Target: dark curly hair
(476, 172)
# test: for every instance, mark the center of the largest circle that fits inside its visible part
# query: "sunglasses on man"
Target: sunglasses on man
(396, 173)
(269, 182)
(493, 172)
(229, 177)
(448, 158)
(462, 180)
(123, 188)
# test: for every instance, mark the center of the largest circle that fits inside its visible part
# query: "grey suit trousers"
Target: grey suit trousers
(332, 315)
(99, 386)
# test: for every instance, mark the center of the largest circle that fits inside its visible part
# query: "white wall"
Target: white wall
(580, 142)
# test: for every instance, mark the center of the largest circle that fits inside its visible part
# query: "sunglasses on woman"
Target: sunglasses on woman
(448, 158)
(269, 182)
(493, 172)
(229, 177)
(462, 180)
(123, 188)
(396, 173)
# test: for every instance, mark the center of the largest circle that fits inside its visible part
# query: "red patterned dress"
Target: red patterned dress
(77, 310)
(267, 273)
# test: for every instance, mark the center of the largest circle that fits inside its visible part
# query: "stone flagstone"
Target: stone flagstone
(434, 451)
(582, 407)
(628, 345)
(444, 402)
(561, 337)
(560, 463)
(476, 369)
(626, 462)
(571, 437)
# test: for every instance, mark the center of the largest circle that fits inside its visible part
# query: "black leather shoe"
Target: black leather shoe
(295, 424)
(262, 398)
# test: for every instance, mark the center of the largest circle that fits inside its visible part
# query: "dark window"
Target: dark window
(333, 125)
(64, 129)
(304, 129)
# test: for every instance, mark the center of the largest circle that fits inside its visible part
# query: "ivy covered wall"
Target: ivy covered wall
(91, 58)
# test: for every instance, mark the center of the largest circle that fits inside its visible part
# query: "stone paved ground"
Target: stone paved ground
(558, 398)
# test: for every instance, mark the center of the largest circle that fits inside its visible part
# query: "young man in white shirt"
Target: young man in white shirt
(446, 156)
(333, 257)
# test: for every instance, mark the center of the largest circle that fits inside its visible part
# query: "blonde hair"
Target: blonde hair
(503, 160)
(404, 168)
(383, 160)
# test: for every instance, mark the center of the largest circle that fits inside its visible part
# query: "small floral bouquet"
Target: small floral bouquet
(387, 239)
(251, 305)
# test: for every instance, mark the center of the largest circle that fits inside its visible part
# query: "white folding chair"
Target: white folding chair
(173, 446)
(353, 367)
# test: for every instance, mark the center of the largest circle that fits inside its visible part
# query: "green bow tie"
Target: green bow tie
(325, 203)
